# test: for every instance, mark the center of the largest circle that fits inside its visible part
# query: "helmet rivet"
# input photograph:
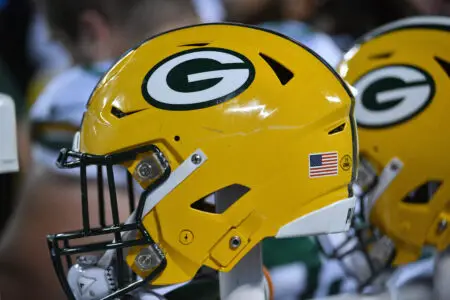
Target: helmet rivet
(394, 167)
(196, 159)
(442, 226)
(235, 242)
(144, 169)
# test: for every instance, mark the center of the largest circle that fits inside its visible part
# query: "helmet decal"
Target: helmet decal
(199, 78)
(323, 164)
(391, 95)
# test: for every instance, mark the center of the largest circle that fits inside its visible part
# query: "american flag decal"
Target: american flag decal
(323, 164)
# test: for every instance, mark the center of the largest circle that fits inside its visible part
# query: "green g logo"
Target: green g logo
(199, 78)
(391, 95)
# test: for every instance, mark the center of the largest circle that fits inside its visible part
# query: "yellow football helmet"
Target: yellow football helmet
(400, 73)
(230, 112)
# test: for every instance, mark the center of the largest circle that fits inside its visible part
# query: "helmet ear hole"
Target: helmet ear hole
(228, 195)
(423, 193)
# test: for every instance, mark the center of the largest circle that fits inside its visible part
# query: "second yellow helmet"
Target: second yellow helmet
(401, 77)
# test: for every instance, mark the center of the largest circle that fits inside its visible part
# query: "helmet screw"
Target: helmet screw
(144, 260)
(235, 242)
(196, 159)
(144, 169)
(442, 226)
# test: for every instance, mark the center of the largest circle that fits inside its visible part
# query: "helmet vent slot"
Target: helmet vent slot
(195, 45)
(120, 114)
(384, 55)
(444, 64)
(423, 193)
(337, 129)
(117, 113)
(228, 195)
(284, 74)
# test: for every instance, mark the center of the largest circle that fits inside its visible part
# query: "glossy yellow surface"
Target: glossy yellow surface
(261, 139)
(421, 143)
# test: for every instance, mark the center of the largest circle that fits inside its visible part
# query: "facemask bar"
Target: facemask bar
(75, 159)
(389, 173)
(351, 248)
(362, 235)
(130, 192)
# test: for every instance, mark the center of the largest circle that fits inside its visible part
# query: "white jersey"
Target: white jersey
(319, 42)
(65, 97)
(63, 102)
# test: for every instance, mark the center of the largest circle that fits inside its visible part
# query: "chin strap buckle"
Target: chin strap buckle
(149, 258)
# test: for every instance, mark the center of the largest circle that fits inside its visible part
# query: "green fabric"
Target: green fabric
(278, 252)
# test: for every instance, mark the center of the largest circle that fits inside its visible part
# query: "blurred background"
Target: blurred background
(33, 52)
(30, 56)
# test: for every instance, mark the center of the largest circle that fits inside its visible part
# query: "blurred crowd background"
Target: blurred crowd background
(29, 54)
(32, 52)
